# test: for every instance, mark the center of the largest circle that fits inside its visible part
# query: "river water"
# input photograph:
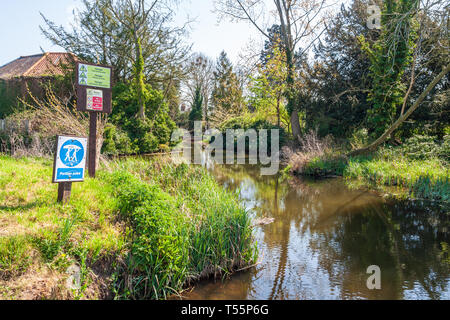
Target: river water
(324, 237)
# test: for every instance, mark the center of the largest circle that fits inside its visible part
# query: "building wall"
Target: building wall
(12, 91)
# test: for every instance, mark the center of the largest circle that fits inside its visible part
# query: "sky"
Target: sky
(21, 36)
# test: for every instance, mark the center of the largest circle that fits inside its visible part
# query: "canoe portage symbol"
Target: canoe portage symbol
(71, 154)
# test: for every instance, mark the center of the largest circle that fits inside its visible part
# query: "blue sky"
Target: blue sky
(20, 34)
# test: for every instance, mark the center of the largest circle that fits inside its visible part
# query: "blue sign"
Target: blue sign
(71, 153)
(70, 159)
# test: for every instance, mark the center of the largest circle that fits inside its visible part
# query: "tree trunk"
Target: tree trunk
(278, 112)
(295, 124)
(402, 118)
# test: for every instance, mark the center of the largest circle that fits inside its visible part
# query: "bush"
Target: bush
(116, 141)
(145, 134)
(420, 147)
(245, 122)
(191, 230)
(159, 250)
(359, 138)
(444, 150)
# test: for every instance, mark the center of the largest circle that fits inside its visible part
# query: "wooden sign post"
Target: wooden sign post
(94, 95)
(69, 164)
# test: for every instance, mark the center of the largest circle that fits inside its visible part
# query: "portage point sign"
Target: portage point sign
(70, 159)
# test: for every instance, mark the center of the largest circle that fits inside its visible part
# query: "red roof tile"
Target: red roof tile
(39, 65)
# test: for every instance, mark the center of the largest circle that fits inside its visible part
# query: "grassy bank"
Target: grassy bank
(140, 230)
(413, 178)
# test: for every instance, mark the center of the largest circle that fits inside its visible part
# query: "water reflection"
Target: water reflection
(325, 236)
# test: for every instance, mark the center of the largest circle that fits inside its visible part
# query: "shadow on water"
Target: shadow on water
(325, 236)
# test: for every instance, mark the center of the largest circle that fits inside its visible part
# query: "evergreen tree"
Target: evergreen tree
(196, 113)
(227, 92)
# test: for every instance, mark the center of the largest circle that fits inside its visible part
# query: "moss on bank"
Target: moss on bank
(140, 230)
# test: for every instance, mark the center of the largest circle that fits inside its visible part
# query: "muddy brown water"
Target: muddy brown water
(325, 236)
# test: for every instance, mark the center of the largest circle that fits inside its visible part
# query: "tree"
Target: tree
(299, 22)
(338, 80)
(390, 56)
(440, 29)
(200, 75)
(227, 92)
(135, 38)
(404, 116)
(269, 85)
(196, 113)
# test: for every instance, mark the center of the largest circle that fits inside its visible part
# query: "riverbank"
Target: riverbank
(388, 170)
(142, 229)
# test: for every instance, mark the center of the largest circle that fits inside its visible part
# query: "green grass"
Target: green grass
(14, 256)
(40, 235)
(186, 227)
(420, 179)
(426, 179)
(142, 229)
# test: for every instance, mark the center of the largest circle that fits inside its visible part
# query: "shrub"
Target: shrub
(359, 138)
(116, 141)
(444, 150)
(420, 147)
(246, 122)
(159, 249)
(145, 134)
(195, 229)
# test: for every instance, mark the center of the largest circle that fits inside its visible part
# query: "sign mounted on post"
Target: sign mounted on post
(94, 76)
(94, 95)
(69, 164)
(94, 100)
(70, 159)
(94, 88)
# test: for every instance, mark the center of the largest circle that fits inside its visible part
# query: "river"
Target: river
(324, 236)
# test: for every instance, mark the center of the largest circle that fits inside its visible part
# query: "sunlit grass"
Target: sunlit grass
(151, 228)
(424, 179)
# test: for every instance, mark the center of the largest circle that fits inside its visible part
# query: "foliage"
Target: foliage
(116, 141)
(359, 138)
(194, 229)
(159, 250)
(420, 147)
(200, 76)
(196, 113)
(139, 84)
(251, 121)
(106, 31)
(227, 93)
(146, 134)
(339, 77)
(268, 87)
(390, 55)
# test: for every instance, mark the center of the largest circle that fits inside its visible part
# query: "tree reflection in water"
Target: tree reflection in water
(325, 236)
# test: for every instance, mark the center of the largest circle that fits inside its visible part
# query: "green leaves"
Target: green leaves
(390, 56)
